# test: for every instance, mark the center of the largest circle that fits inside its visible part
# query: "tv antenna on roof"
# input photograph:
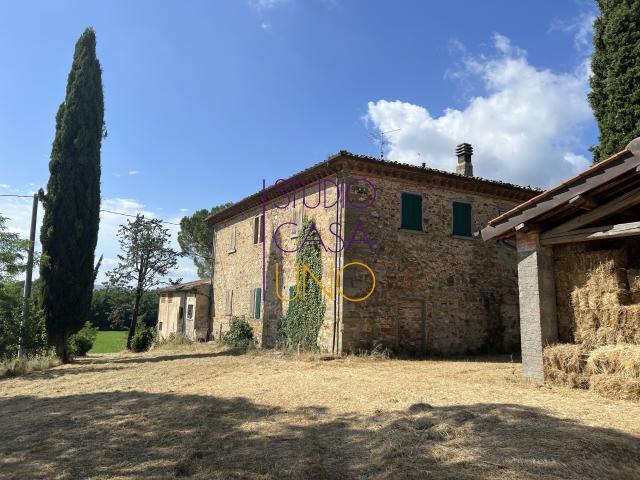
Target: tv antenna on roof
(382, 141)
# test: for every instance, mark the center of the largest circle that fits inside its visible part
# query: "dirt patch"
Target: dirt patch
(204, 413)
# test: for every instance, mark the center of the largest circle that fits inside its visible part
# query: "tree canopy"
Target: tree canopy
(72, 201)
(615, 83)
(196, 238)
(146, 260)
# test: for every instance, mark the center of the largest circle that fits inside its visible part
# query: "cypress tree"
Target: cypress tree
(72, 201)
(615, 83)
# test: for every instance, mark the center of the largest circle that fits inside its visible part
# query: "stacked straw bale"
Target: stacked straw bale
(603, 310)
(604, 316)
(564, 364)
(614, 371)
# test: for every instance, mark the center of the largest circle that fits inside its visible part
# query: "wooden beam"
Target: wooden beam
(527, 227)
(585, 202)
(590, 234)
(616, 205)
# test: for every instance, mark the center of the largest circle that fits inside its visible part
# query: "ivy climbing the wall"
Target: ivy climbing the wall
(303, 319)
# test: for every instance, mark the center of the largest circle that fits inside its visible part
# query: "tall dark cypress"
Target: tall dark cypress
(615, 83)
(72, 201)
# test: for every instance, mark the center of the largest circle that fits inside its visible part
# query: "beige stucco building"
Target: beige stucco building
(411, 230)
(185, 309)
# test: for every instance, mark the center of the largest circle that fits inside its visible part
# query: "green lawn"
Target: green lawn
(109, 342)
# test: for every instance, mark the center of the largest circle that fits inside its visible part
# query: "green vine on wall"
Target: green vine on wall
(303, 319)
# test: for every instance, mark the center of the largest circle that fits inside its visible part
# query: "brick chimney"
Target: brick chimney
(465, 167)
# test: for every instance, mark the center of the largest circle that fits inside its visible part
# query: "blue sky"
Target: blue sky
(204, 99)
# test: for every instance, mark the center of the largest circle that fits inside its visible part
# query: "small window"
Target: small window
(232, 239)
(181, 313)
(159, 326)
(297, 217)
(411, 212)
(256, 302)
(258, 229)
(462, 219)
(190, 311)
(228, 302)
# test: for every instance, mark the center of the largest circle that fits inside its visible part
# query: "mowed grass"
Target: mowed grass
(109, 342)
(204, 412)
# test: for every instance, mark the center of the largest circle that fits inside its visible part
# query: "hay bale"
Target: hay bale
(608, 326)
(621, 360)
(564, 364)
(561, 378)
(615, 386)
(633, 279)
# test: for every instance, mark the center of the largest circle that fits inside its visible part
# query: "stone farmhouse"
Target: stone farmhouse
(403, 265)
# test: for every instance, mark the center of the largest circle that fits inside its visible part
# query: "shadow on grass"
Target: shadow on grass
(144, 435)
(162, 356)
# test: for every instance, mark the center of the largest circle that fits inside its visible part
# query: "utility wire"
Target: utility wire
(134, 216)
(107, 211)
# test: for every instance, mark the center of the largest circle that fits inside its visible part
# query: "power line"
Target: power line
(107, 211)
(135, 216)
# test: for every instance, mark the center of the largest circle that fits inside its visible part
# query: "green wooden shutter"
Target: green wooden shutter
(462, 219)
(292, 293)
(258, 302)
(411, 211)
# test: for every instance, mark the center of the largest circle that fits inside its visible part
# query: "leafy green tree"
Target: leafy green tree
(72, 201)
(12, 252)
(615, 83)
(196, 238)
(13, 261)
(146, 259)
(111, 308)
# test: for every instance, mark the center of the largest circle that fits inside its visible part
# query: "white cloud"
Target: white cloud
(525, 127)
(133, 172)
(183, 210)
(265, 26)
(4, 185)
(581, 27)
(267, 4)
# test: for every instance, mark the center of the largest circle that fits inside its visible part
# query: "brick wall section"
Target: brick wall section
(435, 293)
(538, 319)
(241, 271)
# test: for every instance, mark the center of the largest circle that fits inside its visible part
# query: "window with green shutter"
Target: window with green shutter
(292, 293)
(257, 302)
(411, 212)
(462, 219)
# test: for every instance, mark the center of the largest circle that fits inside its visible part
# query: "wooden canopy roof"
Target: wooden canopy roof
(601, 202)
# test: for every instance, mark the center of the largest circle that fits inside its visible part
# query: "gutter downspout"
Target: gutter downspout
(334, 341)
(210, 307)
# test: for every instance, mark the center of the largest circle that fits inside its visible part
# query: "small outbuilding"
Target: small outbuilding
(578, 247)
(185, 309)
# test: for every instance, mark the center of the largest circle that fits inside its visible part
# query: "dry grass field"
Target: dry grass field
(207, 413)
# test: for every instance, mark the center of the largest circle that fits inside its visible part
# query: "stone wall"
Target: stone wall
(240, 269)
(435, 293)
